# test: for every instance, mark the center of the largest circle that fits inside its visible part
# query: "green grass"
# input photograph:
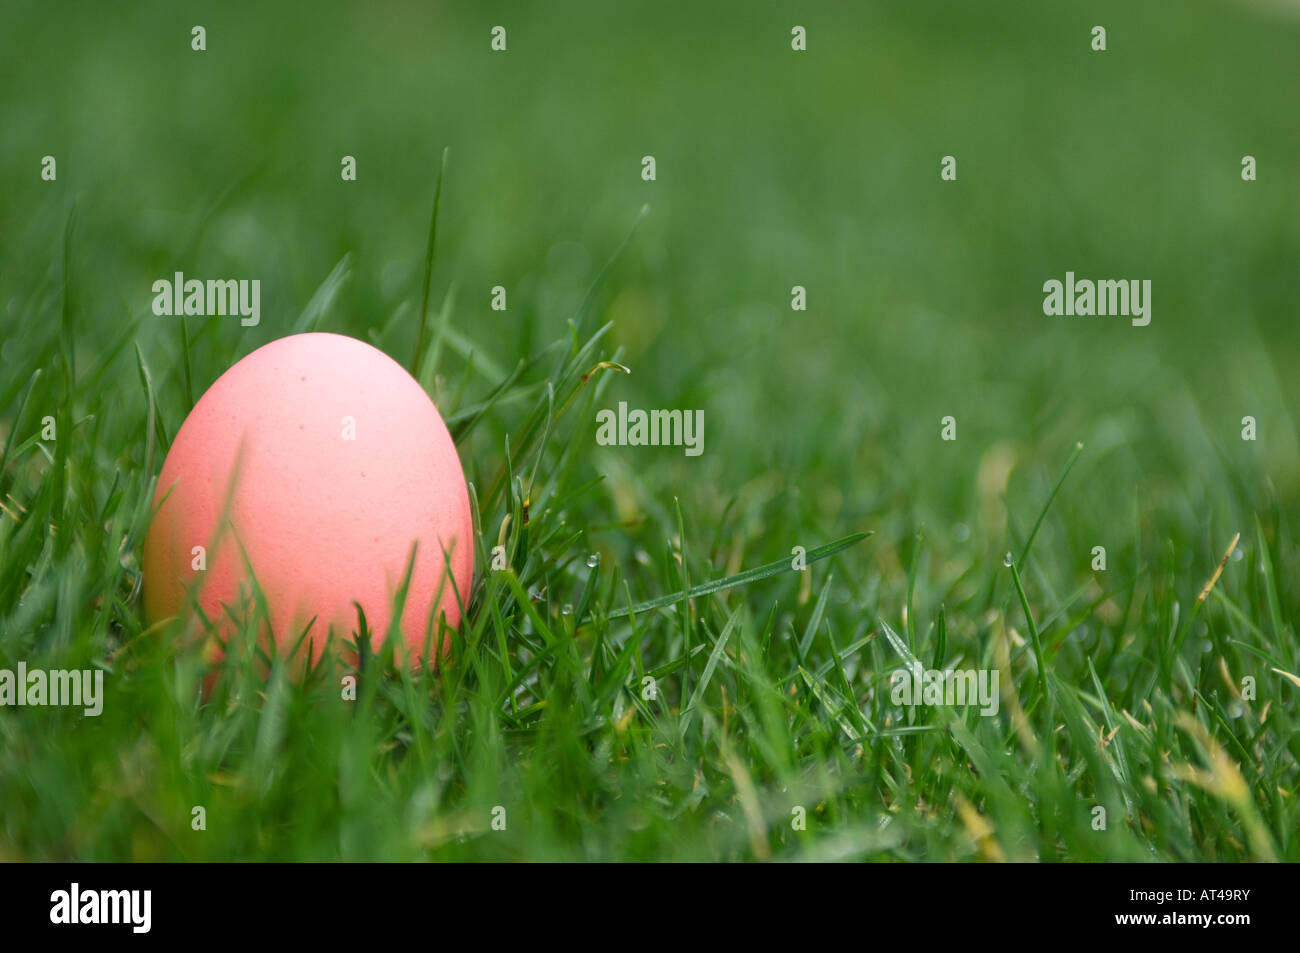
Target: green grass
(1121, 687)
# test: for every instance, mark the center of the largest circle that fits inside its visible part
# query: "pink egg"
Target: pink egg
(340, 464)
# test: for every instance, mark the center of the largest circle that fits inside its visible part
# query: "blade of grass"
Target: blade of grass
(1033, 634)
(428, 269)
(741, 578)
(1069, 465)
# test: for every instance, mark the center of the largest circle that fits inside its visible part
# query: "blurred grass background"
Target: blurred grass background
(775, 168)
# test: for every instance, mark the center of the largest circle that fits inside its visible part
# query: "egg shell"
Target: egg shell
(340, 463)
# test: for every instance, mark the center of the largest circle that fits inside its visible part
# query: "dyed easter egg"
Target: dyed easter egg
(317, 466)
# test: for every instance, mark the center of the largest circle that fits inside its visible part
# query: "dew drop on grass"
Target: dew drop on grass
(593, 560)
(962, 532)
(1008, 559)
(566, 610)
(1237, 555)
(1236, 709)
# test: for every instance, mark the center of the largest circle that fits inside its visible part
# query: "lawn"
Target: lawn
(920, 467)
